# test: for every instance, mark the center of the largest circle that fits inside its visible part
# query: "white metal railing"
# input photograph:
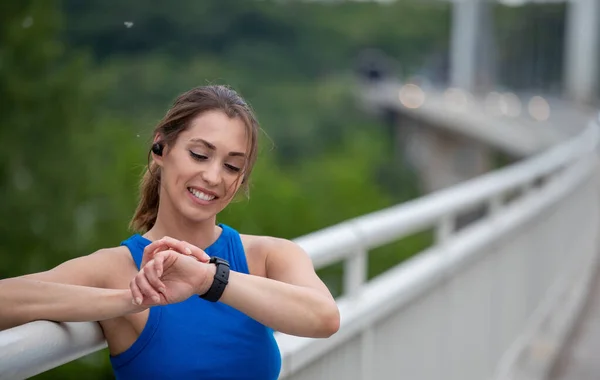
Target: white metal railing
(458, 310)
(427, 297)
(39, 346)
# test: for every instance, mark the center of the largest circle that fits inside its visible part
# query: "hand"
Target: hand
(170, 277)
(180, 246)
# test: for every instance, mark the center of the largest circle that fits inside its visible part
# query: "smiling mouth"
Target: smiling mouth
(200, 195)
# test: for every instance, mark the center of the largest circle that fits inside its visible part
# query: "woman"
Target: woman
(185, 297)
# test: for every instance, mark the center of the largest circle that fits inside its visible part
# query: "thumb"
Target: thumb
(166, 259)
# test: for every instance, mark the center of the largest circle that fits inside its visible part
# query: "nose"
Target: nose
(212, 174)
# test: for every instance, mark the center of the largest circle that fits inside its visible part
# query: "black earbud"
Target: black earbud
(157, 149)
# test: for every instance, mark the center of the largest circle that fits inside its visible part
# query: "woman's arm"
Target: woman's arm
(26, 300)
(292, 299)
(71, 292)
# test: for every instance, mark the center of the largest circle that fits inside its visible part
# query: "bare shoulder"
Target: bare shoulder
(256, 254)
(264, 245)
(120, 253)
(117, 265)
(114, 259)
(274, 255)
(284, 260)
(99, 269)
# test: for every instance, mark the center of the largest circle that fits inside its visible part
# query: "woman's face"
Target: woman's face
(202, 170)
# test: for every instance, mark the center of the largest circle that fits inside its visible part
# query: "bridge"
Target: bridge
(508, 289)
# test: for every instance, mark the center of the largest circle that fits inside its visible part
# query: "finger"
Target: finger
(165, 260)
(153, 277)
(148, 292)
(159, 265)
(136, 293)
(166, 242)
(153, 248)
(180, 246)
(194, 251)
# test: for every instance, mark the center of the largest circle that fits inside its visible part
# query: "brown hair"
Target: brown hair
(185, 108)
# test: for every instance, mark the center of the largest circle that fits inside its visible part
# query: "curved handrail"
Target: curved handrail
(47, 344)
(404, 283)
(331, 244)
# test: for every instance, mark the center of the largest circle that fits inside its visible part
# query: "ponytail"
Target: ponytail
(147, 209)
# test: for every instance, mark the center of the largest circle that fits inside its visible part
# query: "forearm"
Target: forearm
(284, 307)
(24, 300)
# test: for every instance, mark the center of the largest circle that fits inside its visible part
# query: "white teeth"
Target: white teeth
(201, 195)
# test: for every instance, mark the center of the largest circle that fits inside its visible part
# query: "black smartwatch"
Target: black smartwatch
(219, 282)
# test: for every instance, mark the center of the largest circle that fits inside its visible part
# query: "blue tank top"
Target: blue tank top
(197, 339)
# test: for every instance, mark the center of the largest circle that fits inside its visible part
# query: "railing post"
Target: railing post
(581, 50)
(526, 189)
(355, 272)
(444, 228)
(495, 205)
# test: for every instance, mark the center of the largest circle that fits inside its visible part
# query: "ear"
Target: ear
(157, 149)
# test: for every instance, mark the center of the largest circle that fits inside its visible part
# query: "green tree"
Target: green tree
(42, 104)
(43, 108)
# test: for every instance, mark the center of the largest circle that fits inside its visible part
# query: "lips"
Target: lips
(203, 195)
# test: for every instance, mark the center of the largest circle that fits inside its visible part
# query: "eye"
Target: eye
(197, 157)
(232, 168)
(201, 157)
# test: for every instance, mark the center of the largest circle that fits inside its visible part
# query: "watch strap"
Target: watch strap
(220, 280)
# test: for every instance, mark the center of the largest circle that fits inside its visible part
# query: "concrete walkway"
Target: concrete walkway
(580, 359)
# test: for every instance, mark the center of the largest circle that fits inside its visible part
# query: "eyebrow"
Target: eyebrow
(213, 147)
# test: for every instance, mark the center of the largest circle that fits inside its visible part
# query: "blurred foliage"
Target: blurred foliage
(43, 107)
(83, 82)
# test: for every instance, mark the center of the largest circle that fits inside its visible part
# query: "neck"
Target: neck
(201, 234)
